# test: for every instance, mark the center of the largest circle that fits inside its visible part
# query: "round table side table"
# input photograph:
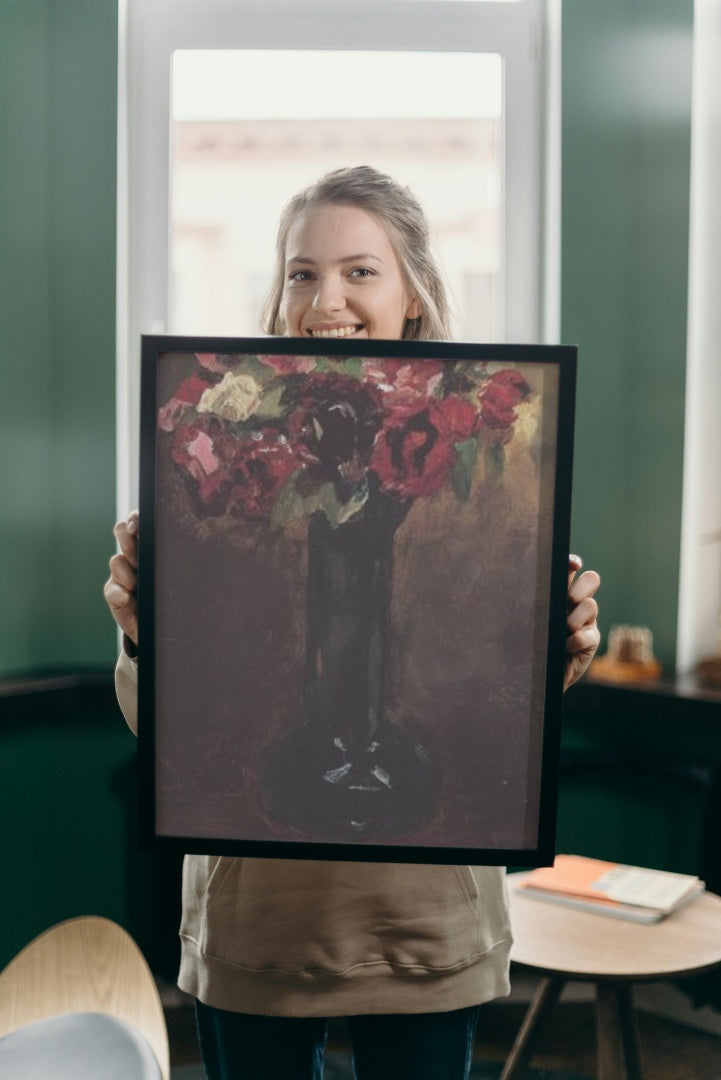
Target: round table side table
(564, 944)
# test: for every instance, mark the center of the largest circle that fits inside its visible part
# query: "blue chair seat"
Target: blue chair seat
(78, 1046)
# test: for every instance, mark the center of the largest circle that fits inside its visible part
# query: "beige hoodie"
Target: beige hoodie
(284, 937)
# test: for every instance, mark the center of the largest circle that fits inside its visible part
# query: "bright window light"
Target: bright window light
(250, 127)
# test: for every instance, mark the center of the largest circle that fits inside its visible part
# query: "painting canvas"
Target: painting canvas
(352, 597)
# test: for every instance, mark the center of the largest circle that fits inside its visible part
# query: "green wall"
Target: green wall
(66, 784)
(68, 804)
(66, 758)
(625, 200)
(58, 72)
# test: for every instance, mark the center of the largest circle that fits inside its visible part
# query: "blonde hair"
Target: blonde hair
(400, 212)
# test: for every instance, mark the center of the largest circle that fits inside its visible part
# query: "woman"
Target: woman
(272, 948)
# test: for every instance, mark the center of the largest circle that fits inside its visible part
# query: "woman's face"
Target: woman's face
(342, 277)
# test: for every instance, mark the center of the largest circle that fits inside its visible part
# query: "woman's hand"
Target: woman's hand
(583, 635)
(121, 587)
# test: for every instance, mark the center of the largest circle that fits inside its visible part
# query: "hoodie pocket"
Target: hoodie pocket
(298, 916)
(468, 884)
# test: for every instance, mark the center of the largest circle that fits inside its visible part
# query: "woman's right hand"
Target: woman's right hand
(121, 587)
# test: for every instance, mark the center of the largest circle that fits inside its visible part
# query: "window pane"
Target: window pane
(252, 127)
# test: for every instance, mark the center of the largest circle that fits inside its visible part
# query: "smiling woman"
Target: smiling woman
(353, 259)
(337, 293)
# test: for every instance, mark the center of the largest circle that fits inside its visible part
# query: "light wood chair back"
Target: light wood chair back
(87, 964)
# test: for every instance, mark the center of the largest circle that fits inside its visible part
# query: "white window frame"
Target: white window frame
(526, 34)
(699, 597)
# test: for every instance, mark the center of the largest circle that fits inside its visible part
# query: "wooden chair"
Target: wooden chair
(89, 972)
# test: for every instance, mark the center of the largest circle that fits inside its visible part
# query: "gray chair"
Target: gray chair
(80, 1002)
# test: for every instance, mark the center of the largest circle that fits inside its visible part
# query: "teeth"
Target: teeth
(335, 332)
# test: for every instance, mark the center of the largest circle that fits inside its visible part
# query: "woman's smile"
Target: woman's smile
(335, 331)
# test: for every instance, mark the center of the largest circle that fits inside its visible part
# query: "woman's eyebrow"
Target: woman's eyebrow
(361, 257)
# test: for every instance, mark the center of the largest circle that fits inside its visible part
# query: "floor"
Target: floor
(670, 1051)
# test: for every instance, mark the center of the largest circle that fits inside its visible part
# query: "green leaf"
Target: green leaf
(292, 504)
(327, 501)
(353, 506)
(269, 406)
(261, 372)
(289, 504)
(462, 475)
(347, 365)
(353, 366)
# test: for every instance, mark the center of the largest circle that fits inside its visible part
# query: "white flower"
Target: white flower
(236, 397)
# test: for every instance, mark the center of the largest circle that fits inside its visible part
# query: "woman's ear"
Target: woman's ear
(415, 309)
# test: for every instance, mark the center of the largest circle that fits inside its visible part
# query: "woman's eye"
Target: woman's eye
(300, 276)
(362, 272)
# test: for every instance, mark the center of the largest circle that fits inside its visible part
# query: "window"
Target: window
(227, 107)
(236, 160)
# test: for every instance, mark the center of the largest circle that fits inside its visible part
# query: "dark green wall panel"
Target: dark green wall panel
(26, 482)
(69, 847)
(68, 803)
(626, 146)
(58, 76)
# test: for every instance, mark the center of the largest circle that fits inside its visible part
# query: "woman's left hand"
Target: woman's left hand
(583, 635)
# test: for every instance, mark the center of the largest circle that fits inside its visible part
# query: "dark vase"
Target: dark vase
(347, 771)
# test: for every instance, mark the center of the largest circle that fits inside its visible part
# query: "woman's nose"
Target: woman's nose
(329, 295)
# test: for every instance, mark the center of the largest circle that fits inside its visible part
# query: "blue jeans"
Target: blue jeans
(415, 1046)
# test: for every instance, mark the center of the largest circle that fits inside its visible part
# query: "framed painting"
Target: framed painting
(352, 597)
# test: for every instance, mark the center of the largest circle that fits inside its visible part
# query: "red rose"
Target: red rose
(414, 455)
(188, 393)
(216, 362)
(406, 386)
(333, 420)
(261, 465)
(500, 396)
(289, 365)
(197, 448)
(242, 475)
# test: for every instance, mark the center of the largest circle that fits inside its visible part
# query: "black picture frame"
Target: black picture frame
(353, 572)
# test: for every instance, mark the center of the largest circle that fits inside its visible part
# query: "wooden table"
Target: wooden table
(563, 944)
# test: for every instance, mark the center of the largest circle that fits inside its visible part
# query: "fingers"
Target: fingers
(584, 586)
(584, 613)
(581, 648)
(582, 634)
(123, 572)
(123, 608)
(586, 641)
(126, 534)
(121, 587)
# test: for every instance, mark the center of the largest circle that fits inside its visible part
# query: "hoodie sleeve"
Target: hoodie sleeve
(126, 688)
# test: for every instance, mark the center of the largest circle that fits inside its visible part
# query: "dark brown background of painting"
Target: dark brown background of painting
(467, 632)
